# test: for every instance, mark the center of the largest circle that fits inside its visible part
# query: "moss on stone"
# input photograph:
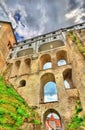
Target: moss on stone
(77, 121)
(78, 42)
(13, 109)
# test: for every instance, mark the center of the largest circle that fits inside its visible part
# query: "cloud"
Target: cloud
(78, 14)
(73, 4)
(49, 98)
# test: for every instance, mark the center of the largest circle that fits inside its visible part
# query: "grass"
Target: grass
(13, 109)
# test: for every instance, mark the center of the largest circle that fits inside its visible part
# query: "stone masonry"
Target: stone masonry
(25, 71)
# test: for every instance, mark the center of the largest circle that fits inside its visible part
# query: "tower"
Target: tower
(48, 72)
(7, 40)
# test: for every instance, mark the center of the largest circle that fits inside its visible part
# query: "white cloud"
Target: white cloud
(50, 98)
(77, 14)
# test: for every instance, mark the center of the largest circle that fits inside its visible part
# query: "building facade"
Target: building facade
(7, 40)
(48, 71)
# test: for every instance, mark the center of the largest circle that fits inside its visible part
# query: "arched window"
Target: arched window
(45, 62)
(48, 91)
(47, 65)
(61, 58)
(67, 85)
(67, 76)
(61, 62)
(22, 83)
(52, 120)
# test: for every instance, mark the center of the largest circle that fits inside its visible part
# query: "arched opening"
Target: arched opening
(47, 65)
(45, 62)
(67, 76)
(50, 92)
(52, 120)
(61, 58)
(51, 45)
(48, 89)
(25, 52)
(16, 67)
(27, 66)
(22, 83)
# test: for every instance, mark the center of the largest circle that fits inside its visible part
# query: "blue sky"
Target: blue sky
(35, 17)
(50, 92)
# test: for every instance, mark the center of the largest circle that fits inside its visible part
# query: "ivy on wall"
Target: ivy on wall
(77, 120)
(76, 40)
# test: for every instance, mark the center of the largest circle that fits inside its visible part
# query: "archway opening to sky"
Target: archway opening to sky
(61, 62)
(45, 62)
(50, 92)
(67, 76)
(52, 120)
(61, 58)
(47, 65)
(48, 89)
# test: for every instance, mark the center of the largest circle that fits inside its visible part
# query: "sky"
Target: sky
(31, 18)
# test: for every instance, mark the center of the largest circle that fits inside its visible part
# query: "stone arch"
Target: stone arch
(15, 68)
(46, 78)
(22, 83)
(47, 119)
(44, 59)
(27, 62)
(25, 52)
(61, 57)
(67, 76)
(51, 45)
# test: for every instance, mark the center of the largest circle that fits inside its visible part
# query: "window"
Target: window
(22, 83)
(47, 65)
(67, 76)
(61, 62)
(48, 91)
(45, 62)
(61, 58)
(43, 40)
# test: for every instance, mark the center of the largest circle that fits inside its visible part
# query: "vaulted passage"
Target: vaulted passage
(25, 52)
(45, 62)
(61, 58)
(27, 63)
(52, 120)
(51, 45)
(67, 76)
(48, 89)
(16, 67)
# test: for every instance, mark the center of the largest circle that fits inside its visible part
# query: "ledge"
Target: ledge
(72, 93)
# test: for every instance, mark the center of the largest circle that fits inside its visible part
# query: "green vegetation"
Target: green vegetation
(13, 109)
(77, 121)
(78, 42)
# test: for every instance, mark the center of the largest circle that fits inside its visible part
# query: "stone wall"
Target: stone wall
(32, 92)
(7, 40)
